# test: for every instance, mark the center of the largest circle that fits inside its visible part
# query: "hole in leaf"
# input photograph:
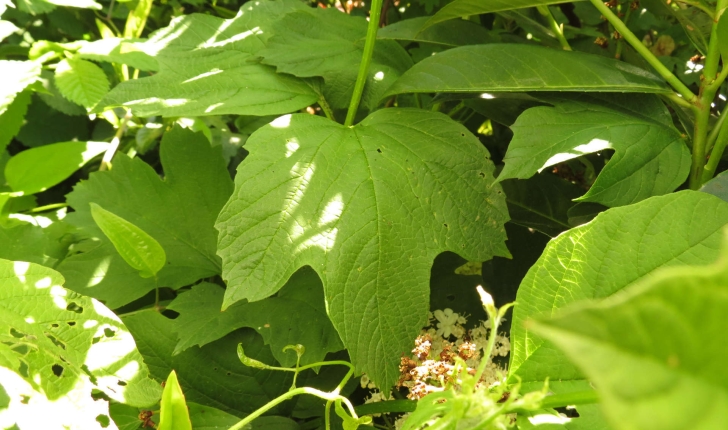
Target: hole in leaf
(109, 332)
(462, 134)
(95, 340)
(482, 175)
(71, 323)
(73, 307)
(103, 420)
(121, 383)
(379, 150)
(24, 399)
(54, 325)
(450, 297)
(57, 370)
(170, 314)
(16, 333)
(55, 341)
(446, 226)
(214, 368)
(228, 373)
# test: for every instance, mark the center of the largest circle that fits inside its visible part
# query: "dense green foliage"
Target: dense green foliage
(226, 214)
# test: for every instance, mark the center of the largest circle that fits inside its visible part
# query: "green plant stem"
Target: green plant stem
(620, 41)
(326, 108)
(48, 207)
(675, 98)
(366, 59)
(713, 136)
(644, 52)
(555, 27)
(567, 399)
(109, 154)
(712, 57)
(721, 141)
(494, 323)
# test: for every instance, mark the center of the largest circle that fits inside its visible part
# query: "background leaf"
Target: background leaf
(464, 8)
(17, 75)
(503, 67)
(650, 155)
(447, 33)
(369, 210)
(650, 350)
(596, 260)
(81, 81)
(179, 212)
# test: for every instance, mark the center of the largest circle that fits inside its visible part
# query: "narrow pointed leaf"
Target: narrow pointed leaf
(464, 8)
(368, 208)
(621, 246)
(38, 169)
(140, 250)
(81, 81)
(453, 33)
(651, 350)
(173, 414)
(650, 156)
(512, 67)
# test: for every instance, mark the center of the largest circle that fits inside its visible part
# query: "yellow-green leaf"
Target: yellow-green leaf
(174, 414)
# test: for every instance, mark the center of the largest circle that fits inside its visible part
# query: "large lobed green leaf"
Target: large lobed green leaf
(330, 44)
(512, 67)
(464, 8)
(619, 247)
(207, 66)
(63, 345)
(178, 212)
(368, 207)
(650, 158)
(653, 351)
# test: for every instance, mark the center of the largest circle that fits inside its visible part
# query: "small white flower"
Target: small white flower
(447, 320)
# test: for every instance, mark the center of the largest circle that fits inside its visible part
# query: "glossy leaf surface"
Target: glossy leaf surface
(619, 247)
(651, 349)
(650, 156)
(368, 209)
(511, 67)
(173, 407)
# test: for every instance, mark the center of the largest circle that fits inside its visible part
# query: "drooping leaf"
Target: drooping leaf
(211, 375)
(179, 212)
(81, 81)
(651, 350)
(519, 68)
(619, 247)
(447, 33)
(38, 169)
(297, 315)
(650, 155)
(330, 44)
(120, 51)
(67, 341)
(173, 414)
(717, 186)
(368, 208)
(140, 250)
(207, 67)
(16, 76)
(12, 119)
(464, 8)
(541, 203)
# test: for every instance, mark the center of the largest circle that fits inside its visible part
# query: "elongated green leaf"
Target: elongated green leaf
(446, 33)
(297, 315)
(329, 43)
(173, 414)
(651, 350)
(140, 250)
(368, 208)
(541, 202)
(38, 169)
(81, 81)
(463, 8)
(16, 76)
(596, 260)
(207, 66)
(178, 211)
(511, 67)
(650, 156)
(65, 345)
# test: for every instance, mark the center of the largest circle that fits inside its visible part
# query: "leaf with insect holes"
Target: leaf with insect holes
(81, 81)
(368, 208)
(140, 250)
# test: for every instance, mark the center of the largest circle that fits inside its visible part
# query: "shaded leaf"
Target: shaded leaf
(368, 207)
(38, 169)
(717, 186)
(464, 8)
(179, 212)
(515, 67)
(207, 67)
(651, 350)
(173, 414)
(619, 247)
(81, 81)
(457, 33)
(45, 125)
(297, 315)
(650, 156)
(135, 246)
(12, 120)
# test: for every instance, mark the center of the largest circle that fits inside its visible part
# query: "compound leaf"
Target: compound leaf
(178, 212)
(650, 156)
(512, 67)
(207, 67)
(619, 247)
(651, 350)
(368, 207)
